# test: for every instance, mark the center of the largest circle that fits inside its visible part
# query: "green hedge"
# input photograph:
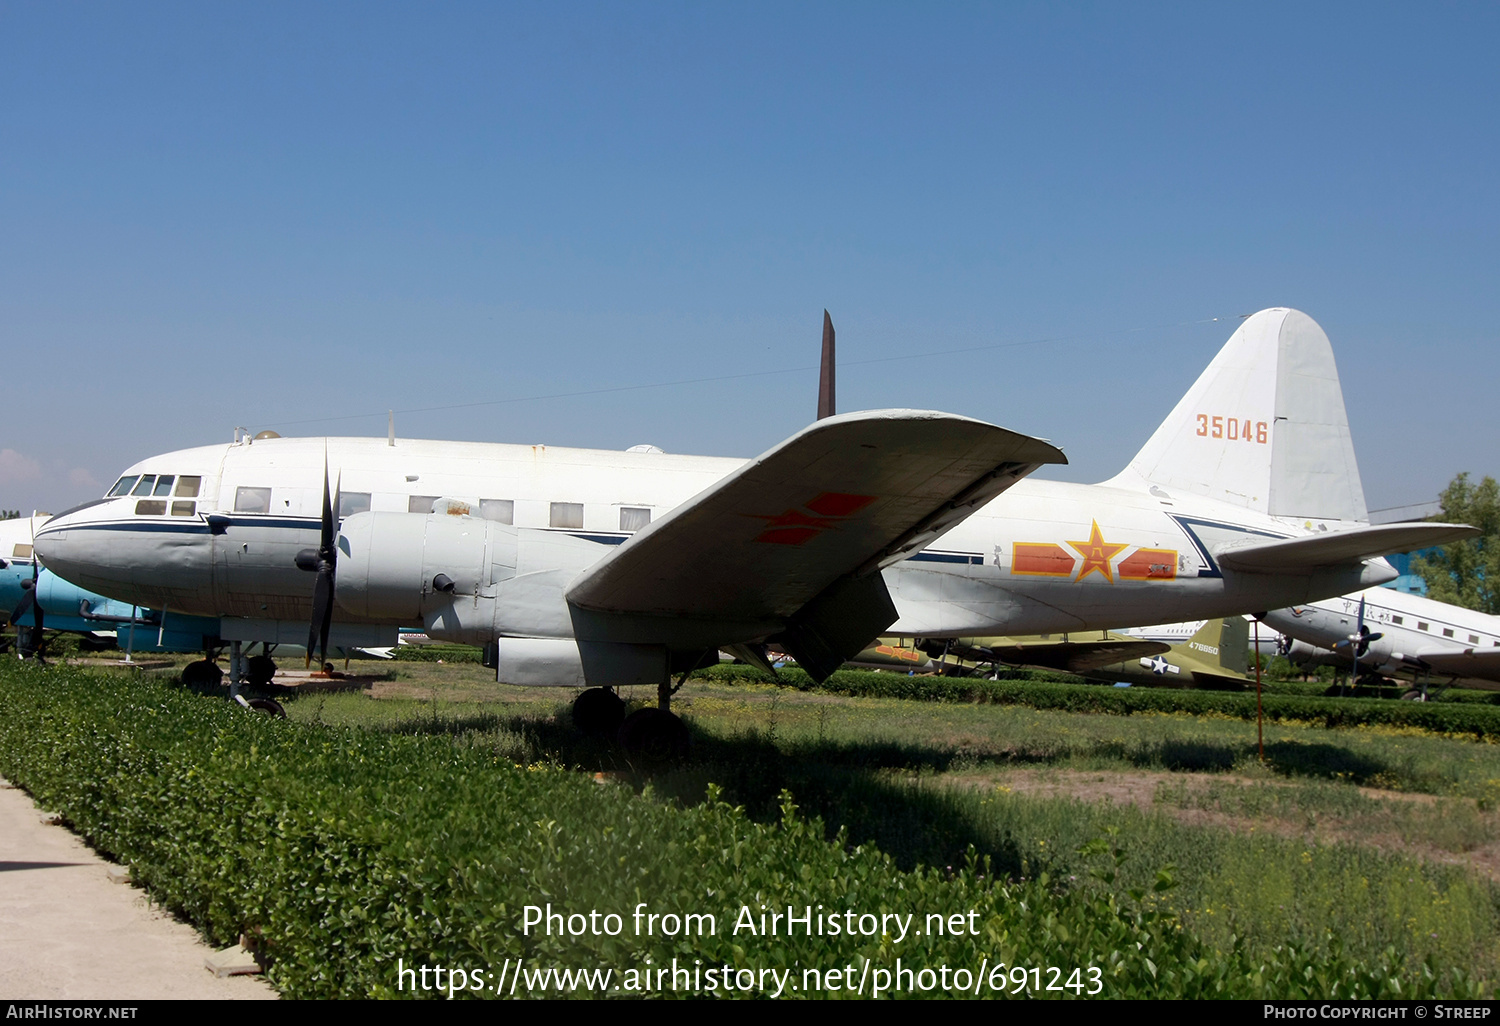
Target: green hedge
(1469, 719)
(435, 653)
(340, 851)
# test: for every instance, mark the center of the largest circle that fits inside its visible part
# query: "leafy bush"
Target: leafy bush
(1478, 720)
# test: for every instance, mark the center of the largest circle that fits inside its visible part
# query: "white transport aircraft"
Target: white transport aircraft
(1395, 633)
(602, 568)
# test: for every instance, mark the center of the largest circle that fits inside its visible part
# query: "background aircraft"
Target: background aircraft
(37, 600)
(1213, 657)
(1392, 633)
(597, 568)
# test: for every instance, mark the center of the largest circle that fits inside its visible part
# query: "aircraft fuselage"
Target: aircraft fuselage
(221, 537)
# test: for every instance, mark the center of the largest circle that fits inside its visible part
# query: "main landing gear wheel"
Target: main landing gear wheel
(259, 670)
(598, 711)
(202, 674)
(269, 706)
(1414, 695)
(653, 736)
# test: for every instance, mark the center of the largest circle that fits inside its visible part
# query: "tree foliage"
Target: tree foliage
(1467, 573)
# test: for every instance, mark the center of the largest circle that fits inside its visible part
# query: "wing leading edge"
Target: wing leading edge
(790, 545)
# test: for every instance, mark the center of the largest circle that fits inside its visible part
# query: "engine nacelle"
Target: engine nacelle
(1378, 653)
(563, 662)
(475, 582)
(399, 567)
(1300, 653)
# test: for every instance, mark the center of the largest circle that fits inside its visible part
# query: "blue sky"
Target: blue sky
(272, 215)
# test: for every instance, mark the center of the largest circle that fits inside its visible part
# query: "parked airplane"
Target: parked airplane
(603, 568)
(1077, 653)
(1393, 633)
(1215, 656)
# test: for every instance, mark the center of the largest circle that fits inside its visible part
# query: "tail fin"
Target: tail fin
(1264, 427)
(1227, 639)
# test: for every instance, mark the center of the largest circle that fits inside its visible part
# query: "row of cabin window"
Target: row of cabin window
(1423, 625)
(157, 485)
(502, 511)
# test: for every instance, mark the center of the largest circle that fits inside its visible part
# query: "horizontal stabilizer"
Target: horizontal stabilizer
(1337, 548)
(835, 502)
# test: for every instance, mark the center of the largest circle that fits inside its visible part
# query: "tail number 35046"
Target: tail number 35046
(1232, 428)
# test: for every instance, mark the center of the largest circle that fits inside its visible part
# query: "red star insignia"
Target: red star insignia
(1096, 553)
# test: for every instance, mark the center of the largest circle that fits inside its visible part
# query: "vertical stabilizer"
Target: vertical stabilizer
(1264, 427)
(827, 406)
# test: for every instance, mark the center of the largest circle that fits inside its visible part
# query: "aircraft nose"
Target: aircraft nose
(67, 547)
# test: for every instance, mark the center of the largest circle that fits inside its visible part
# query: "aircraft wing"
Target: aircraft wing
(1337, 548)
(1481, 663)
(790, 545)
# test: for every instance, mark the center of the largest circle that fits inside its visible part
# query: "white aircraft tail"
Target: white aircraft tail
(1264, 427)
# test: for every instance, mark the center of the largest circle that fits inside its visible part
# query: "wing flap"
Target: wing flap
(1337, 548)
(837, 500)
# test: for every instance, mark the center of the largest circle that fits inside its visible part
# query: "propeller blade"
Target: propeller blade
(1357, 643)
(326, 566)
(326, 540)
(826, 405)
(322, 616)
(28, 598)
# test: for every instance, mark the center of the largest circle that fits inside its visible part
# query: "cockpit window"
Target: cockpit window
(163, 485)
(151, 508)
(148, 481)
(187, 487)
(123, 486)
(252, 500)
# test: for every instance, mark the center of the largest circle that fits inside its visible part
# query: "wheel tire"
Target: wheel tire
(202, 674)
(653, 736)
(1414, 695)
(259, 670)
(269, 706)
(598, 711)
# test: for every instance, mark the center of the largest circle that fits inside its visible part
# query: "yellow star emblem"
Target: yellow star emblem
(1096, 553)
